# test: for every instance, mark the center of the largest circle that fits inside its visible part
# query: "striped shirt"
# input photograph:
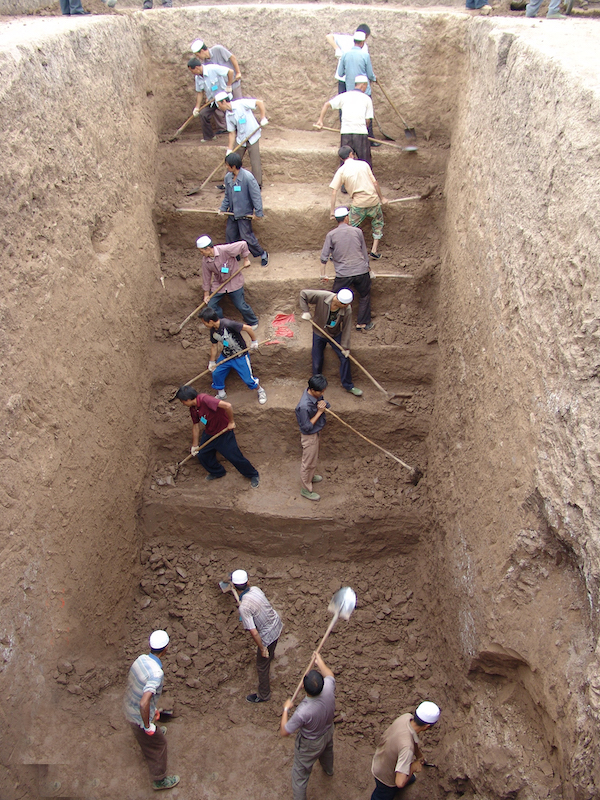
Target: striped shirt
(145, 675)
(257, 612)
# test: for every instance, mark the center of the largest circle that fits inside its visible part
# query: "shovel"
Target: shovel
(382, 132)
(227, 586)
(202, 304)
(187, 458)
(179, 131)
(427, 193)
(391, 398)
(370, 138)
(410, 133)
(342, 605)
(415, 473)
(221, 164)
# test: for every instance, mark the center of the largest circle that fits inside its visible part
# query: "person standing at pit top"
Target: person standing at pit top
(144, 687)
(229, 333)
(264, 625)
(216, 416)
(342, 43)
(357, 110)
(366, 197)
(217, 54)
(243, 199)
(219, 262)
(241, 123)
(333, 314)
(313, 721)
(357, 61)
(346, 247)
(310, 414)
(210, 79)
(398, 758)
(553, 9)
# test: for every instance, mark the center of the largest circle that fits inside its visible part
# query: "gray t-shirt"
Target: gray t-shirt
(314, 716)
(257, 612)
(222, 56)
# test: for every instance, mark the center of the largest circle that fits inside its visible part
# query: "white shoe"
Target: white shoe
(254, 327)
(262, 396)
(485, 10)
(222, 395)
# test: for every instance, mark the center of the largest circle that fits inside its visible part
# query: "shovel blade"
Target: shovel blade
(343, 603)
(225, 586)
(410, 133)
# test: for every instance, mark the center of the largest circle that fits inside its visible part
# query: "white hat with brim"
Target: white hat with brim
(203, 241)
(428, 712)
(341, 212)
(220, 96)
(196, 45)
(345, 296)
(359, 36)
(239, 577)
(159, 640)
(360, 79)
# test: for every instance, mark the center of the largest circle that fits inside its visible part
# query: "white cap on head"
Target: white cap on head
(239, 577)
(159, 640)
(341, 212)
(203, 241)
(345, 296)
(360, 79)
(196, 45)
(428, 712)
(359, 36)
(220, 96)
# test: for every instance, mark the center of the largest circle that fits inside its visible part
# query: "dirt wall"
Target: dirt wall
(75, 185)
(514, 442)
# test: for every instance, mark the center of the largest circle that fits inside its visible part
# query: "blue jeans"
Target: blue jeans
(239, 301)
(534, 6)
(319, 344)
(69, 7)
(238, 230)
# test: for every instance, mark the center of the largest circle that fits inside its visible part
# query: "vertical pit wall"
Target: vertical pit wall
(514, 446)
(79, 256)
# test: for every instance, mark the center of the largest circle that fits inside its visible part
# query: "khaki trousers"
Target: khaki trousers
(306, 752)
(310, 455)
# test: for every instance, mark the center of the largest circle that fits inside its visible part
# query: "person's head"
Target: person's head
(360, 37)
(205, 245)
(233, 162)
(426, 715)
(223, 101)
(239, 578)
(313, 683)
(365, 29)
(345, 152)
(187, 395)
(159, 641)
(341, 214)
(209, 317)
(195, 66)
(317, 385)
(342, 299)
(361, 82)
(200, 50)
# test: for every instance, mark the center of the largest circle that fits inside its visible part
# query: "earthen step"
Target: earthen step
(296, 218)
(297, 155)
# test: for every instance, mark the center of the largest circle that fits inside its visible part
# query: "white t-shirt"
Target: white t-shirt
(356, 107)
(343, 43)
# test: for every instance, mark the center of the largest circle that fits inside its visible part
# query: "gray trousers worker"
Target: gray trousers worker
(253, 151)
(306, 752)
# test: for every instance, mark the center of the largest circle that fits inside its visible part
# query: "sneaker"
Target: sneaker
(375, 255)
(211, 477)
(262, 396)
(327, 772)
(221, 187)
(310, 495)
(265, 259)
(254, 482)
(356, 392)
(167, 783)
(369, 326)
(485, 10)
(317, 478)
(254, 698)
(255, 326)
(375, 144)
(222, 394)
(163, 729)
(556, 15)
(344, 190)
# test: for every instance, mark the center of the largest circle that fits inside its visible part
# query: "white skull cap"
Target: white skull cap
(360, 79)
(341, 212)
(345, 296)
(239, 577)
(220, 96)
(196, 45)
(159, 640)
(203, 241)
(428, 712)
(359, 36)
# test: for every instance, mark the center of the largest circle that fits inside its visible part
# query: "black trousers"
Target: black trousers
(238, 230)
(227, 445)
(361, 145)
(362, 284)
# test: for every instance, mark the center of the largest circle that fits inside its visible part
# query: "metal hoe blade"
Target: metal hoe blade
(343, 603)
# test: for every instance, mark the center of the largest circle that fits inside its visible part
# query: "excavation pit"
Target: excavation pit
(476, 587)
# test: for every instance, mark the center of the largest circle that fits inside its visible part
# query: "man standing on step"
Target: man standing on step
(217, 54)
(357, 61)
(311, 417)
(217, 417)
(210, 79)
(333, 314)
(341, 43)
(264, 625)
(365, 193)
(398, 758)
(229, 333)
(144, 687)
(357, 109)
(313, 721)
(244, 201)
(241, 124)
(220, 262)
(346, 247)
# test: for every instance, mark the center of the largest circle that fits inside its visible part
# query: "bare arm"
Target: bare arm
(333, 198)
(230, 77)
(195, 434)
(261, 108)
(284, 717)
(200, 99)
(330, 39)
(247, 329)
(145, 708)
(231, 143)
(256, 636)
(236, 66)
(319, 663)
(319, 123)
(229, 411)
(213, 352)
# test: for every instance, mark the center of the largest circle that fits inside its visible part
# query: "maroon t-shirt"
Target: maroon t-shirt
(207, 413)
